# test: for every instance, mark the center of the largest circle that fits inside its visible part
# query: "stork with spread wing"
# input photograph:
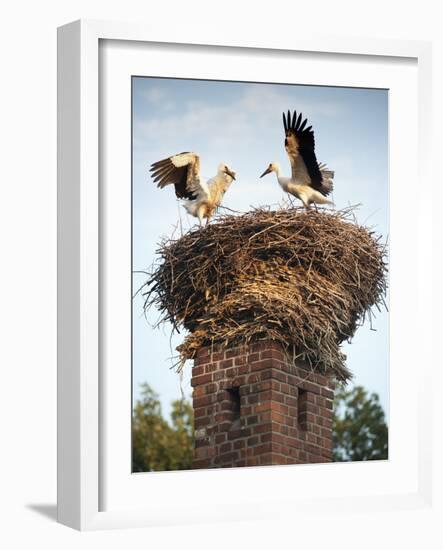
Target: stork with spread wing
(310, 181)
(183, 171)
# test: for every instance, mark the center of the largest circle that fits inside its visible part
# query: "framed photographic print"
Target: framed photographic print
(235, 248)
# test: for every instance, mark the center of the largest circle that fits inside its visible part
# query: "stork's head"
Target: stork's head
(224, 169)
(273, 167)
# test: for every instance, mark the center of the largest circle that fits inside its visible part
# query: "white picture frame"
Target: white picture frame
(83, 398)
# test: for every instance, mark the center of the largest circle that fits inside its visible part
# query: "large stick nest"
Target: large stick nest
(304, 279)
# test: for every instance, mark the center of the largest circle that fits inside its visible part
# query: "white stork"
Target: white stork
(310, 181)
(183, 171)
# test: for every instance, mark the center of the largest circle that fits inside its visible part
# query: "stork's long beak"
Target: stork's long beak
(267, 171)
(230, 173)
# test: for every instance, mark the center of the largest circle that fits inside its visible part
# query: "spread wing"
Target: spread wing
(182, 171)
(300, 146)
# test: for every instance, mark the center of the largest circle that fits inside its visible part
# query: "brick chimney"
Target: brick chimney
(254, 406)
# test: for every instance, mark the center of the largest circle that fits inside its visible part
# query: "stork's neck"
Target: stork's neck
(277, 171)
(226, 178)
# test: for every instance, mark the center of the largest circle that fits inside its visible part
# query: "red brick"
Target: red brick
(202, 401)
(231, 372)
(327, 393)
(329, 404)
(312, 408)
(237, 434)
(243, 369)
(277, 417)
(222, 416)
(310, 417)
(272, 354)
(202, 379)
(266, 374)
(211, 409)
(263, 427)
(203, 352)
(238, 381)
(265, 395)
(235, 352)
(277, 396)
(199, 391)
(227, 458)
(262, 364)
(280, 376)
(196, 371)
(280, 408)
(291, 401)
(265, 417)
(288, 390)
(263, 448)
(225, 447)
(201, 411)
(266, 406)
(224, 426)
(223, 393)
(259, 346)
(211, 388)
(252, 420)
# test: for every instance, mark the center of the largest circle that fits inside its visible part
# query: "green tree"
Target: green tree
(157, 444)
(359, 429)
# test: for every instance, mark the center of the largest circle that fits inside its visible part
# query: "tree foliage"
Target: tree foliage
(359, 429)
(157, 444)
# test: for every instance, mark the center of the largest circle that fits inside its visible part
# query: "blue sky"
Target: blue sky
(240, 124)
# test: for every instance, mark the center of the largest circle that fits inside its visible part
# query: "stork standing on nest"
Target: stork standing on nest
(310, 181)
(183, 171)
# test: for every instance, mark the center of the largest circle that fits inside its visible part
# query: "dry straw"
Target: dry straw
(306, 279)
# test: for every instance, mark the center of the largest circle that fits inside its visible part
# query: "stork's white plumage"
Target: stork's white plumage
(310, 181)
(183, 171)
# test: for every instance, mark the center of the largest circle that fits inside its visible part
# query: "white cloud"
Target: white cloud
(257, 109)
(154, 94)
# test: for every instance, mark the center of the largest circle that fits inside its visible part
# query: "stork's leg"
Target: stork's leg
(306, 204)
(304, 199)
(200, 215)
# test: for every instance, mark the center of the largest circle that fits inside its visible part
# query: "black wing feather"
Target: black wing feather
(306, 147)
(164, 172)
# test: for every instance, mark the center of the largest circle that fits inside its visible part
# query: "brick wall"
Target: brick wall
(254, 406)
